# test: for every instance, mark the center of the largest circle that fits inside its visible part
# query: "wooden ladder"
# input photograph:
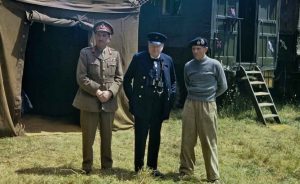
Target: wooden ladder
(260, 93)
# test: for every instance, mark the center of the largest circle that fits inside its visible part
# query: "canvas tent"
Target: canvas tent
(44, 37)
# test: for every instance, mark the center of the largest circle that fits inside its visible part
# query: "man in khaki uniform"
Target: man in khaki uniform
(99, 76)
(205, 80)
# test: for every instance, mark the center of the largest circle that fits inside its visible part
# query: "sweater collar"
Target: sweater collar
(201, 60)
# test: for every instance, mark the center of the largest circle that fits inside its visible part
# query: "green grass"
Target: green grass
(248, 153)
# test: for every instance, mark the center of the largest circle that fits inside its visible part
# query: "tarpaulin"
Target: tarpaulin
(15, 20)
(103, 6)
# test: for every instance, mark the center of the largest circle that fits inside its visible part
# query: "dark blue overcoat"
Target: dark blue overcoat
(138, 91)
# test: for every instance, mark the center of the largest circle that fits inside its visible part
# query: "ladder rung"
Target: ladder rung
(270, 116)
(265, 104)
(253, 72)
(248, 63)
(256, 82)
(261, 93)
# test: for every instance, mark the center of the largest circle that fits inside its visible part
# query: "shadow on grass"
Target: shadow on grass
(121, 174)
(171, 176)
(61, 171)
(175, 177)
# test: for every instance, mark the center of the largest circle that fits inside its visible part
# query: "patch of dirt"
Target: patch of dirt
(40, 125)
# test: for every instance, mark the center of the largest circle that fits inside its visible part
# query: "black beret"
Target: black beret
(199, 41)
(103, 26)
(156, 38)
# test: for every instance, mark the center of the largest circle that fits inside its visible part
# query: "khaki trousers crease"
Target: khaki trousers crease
(199, 119)
(89, 122)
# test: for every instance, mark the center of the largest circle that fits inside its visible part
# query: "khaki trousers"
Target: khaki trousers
(199, 119)
(89, 122)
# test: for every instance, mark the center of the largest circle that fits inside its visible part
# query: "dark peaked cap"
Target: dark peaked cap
(156, 38)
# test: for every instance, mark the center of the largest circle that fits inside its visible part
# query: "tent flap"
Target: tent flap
(35, 16)
(12, 46)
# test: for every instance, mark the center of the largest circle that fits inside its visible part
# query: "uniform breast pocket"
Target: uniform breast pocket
(111, 67)
(94, 69)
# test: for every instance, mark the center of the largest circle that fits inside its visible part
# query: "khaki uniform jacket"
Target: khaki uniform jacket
(98, 70)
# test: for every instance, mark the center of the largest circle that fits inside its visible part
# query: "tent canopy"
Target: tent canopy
(103, 6)
(16, 18)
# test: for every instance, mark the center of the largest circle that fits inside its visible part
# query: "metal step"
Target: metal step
(256, 82)
(248, 63)
(253, 72)
(265, 104)
(270, 116)
(261, 94)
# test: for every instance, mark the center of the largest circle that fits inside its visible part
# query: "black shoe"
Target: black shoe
(138, 169)
(157, 174)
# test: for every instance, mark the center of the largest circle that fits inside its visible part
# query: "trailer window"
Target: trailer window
(171, 7)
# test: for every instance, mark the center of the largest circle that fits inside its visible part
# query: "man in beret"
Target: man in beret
(205, 81)
(99, 76)
(150, 87)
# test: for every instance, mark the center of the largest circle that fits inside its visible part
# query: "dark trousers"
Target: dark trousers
(142, 129)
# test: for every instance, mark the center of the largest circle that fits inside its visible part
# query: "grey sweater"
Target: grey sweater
(204, 79)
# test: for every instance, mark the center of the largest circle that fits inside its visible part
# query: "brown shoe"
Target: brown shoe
(183, 176)
(87, 171)
(214, 181)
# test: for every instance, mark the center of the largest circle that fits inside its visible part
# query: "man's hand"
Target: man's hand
(99, 93)
(105, 96)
